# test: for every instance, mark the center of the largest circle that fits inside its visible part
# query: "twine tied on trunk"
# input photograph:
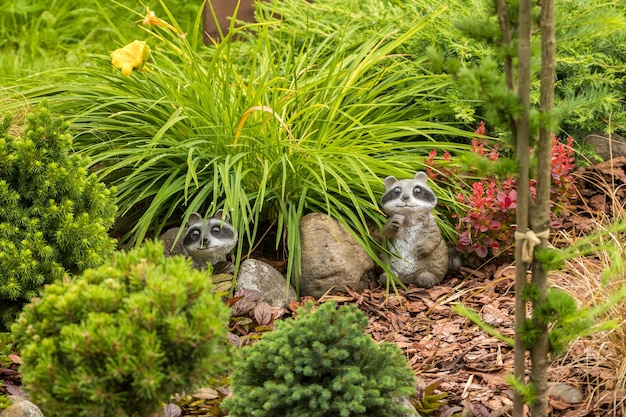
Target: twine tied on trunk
(530, 240)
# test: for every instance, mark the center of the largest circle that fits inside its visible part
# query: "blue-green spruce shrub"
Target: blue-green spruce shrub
(320, 364)
(121, 339)
(54, 214)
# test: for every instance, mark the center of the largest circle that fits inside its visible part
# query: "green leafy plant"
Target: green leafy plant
(121, 339)
(565, 320)
(487, 226)
(39, 36)
(428, 402)
(470, 45)
(54, 214)
(268, 128)
(8, 366)
(320, 364)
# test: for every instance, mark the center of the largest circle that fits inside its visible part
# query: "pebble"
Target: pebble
(21, 408)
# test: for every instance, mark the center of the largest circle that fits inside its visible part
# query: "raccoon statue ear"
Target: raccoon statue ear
(218, 215)
(390, 181)
(194, 218)
(422, 177)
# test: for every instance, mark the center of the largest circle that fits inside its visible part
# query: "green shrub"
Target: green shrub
(590, 61)
(321, 364)
(262, 127)
(54, 215)
(123, 338)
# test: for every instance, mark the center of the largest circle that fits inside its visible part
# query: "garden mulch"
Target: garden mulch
(470, 366)
(450, 353)
(447, 349)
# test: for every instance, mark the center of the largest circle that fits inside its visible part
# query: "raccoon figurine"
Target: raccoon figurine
(420, 255)
(209, 240)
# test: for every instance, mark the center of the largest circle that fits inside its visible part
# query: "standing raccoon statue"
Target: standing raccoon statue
(209, 240)
(420, 255)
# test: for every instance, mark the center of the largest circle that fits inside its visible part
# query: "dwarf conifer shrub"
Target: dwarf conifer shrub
(121, 339)
(321, 364)
(54, 215)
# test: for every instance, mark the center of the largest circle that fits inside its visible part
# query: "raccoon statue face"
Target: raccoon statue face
(209, 240)
(408, 197)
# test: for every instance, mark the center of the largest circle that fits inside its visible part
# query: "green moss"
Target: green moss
(321, 364)
(121, 339)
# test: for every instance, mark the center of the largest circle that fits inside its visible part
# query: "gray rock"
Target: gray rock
(21, 408)
(606, 146)
(171, 246)
(410, 410)
(259, 276)
(331, 257)
(566, 393)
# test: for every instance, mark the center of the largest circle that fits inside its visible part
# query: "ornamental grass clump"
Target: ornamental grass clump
(54, 215)
(266, 127)
(122, 339)
(321, 364)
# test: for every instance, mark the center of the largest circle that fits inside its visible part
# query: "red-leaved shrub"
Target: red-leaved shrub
(487, 228)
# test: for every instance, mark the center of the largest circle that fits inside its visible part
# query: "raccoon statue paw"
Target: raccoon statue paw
(423, 280)
(393, 225)
(427, 280)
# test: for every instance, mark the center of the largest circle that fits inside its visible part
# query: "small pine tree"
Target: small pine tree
(54, 215)
(321, 364)
(121, 339)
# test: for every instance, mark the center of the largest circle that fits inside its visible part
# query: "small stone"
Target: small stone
(410, 410)
(21, 408)
(173, 243)
(606, 146)
(566, 393)
(260, 276)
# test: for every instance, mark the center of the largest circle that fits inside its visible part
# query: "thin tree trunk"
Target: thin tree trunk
(541, 213)
(507, 38)
(523, 197)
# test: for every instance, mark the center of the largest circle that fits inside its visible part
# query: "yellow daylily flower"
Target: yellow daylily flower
(151, 19)
(130, 57)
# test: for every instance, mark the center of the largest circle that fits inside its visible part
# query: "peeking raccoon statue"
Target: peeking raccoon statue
(420, 255)
(209, 240)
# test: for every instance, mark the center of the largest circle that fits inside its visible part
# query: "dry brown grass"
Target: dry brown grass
(597, 364)
(17, 118)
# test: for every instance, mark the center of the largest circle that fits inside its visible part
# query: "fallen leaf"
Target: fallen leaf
(13, 389)
(612, 167)
(477, 409)
(206, 394)
(172, 410)
(337, 298)
(263, 313)
(221, 278)
(234, 339)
